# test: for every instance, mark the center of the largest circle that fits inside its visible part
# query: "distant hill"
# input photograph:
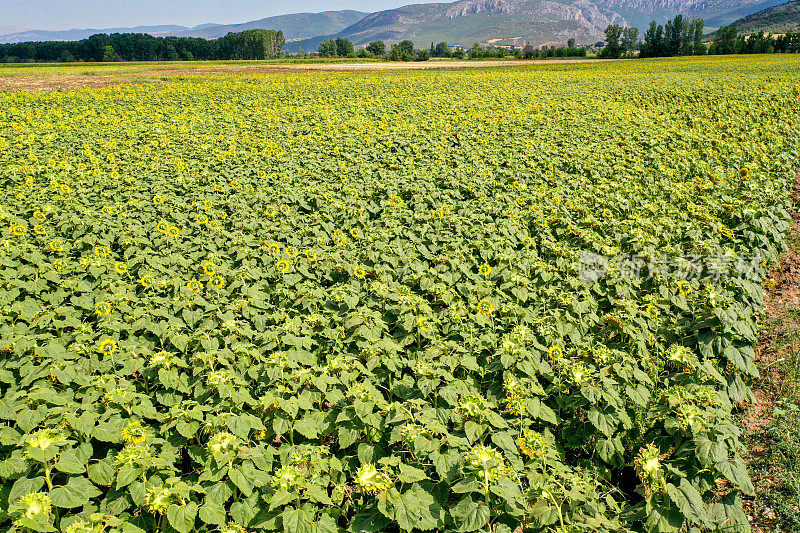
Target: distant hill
(464, 22)
(501, 22)
(294, 27)
(779, 19)
(506, 22)
(716, 13)
(77, 35)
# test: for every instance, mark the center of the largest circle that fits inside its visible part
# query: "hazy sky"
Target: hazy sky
(68, 14)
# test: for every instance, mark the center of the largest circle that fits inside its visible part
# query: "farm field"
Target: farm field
(508, 299)
(72, 76)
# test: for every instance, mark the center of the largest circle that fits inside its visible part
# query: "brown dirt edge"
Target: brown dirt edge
(67, 82)
(782, 294)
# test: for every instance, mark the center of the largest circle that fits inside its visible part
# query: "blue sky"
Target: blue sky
(67, 14)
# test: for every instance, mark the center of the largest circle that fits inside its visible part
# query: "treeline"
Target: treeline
(405, 51)
(619, 41)
(728, 41)
(683, 37)
(251, 44)
(402, 51)
(678, 37)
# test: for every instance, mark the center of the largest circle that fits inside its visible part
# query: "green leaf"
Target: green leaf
(101, 472)
(369, 521)
(243, 511)
(70, 463)
(309, 426)
(664, 520)
(24, 486)
(688, 500)
(297, 521)
(182, 517)
(212, 513)
(325, 524)
(417, 509)
(241, 481)
(76, 493)
(240, 426)
(410, 474)
(39, 523)
(469, 515)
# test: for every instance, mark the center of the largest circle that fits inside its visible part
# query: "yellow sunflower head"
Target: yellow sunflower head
(684, 287)
(108, 346)
(102, 308)
(485, 307)
(555, 352)
(195, 286)
(209, 269)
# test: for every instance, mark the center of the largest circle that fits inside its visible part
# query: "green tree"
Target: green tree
(613, 48)
(528, 51)
(687, 38)
(327, 48)
(406, 50)
(571, 43)
(675, 33)
(378, 48)
(653, 43)
(698, 48)
(476, 51)
(630, 37)
(442, 50)
(726, 41)
(170, 54)
(108, 54)
(344, 47)
(251, 44)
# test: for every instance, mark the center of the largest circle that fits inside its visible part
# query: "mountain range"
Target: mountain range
(295, 27)
(463, 22)
(779, 19)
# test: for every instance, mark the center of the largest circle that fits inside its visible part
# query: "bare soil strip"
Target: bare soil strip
(782, 296)
(80, 81)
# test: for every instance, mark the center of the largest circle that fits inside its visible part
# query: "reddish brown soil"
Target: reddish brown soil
(782, 295)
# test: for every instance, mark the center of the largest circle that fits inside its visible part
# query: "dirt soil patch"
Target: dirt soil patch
(782, 296)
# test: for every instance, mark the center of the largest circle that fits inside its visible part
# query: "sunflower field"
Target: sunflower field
(329, 302)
